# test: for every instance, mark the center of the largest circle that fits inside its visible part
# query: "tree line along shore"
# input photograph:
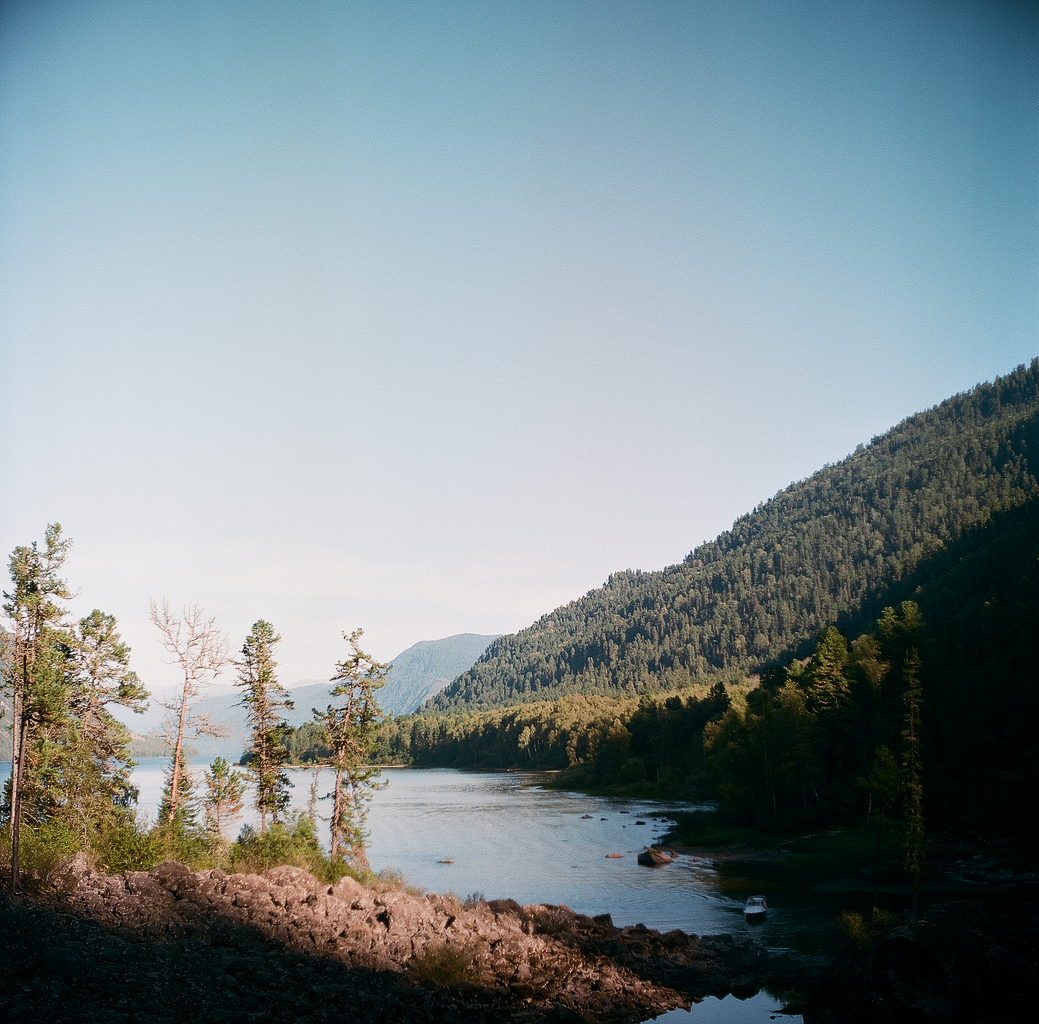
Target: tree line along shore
(70, 787)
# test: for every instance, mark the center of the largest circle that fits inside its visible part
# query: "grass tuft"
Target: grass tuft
(447, 962)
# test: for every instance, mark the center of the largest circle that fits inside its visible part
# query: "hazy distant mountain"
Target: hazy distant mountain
(416, 674)
(426, 668)
(226, 712)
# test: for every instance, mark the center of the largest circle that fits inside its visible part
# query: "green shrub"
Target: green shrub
(293, 842)
(182, 842)
(632, 771)
(43, 847)
(117, 845)
(862, 933)
(124, 847)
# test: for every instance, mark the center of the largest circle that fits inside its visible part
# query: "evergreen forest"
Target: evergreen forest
(70, 788)
(823, 551)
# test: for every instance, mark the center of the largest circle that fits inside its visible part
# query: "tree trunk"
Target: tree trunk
(16, 730)
(175, 781)
(876, 873)
(335, 813)
(16, 802)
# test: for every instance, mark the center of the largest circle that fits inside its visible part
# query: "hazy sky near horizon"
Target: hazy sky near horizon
(426, 317)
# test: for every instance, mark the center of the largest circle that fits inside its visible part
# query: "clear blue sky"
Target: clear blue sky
(426, 317)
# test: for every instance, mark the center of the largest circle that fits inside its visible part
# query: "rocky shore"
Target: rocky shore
(172, 944)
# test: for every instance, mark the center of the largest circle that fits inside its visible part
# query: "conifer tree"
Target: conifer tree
(912, 773)
(98, 746)
(883, 787)
(900, 634)
(264, 699)
(225, 792)
(826, 671)
(350, 725)
(35, 670)
(178, 809)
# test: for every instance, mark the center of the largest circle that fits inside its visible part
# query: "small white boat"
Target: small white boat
(755, 910)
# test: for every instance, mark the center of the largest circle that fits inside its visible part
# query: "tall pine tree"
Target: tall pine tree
(97, 745)
(35, 670)
(350, 725)
(265, 698)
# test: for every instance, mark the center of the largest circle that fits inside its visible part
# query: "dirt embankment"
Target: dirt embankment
(172, 944)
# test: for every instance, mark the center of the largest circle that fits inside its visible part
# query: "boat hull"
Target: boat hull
(755, 910)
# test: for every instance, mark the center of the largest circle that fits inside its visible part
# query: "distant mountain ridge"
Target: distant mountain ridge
(427, 667)
(820, 551)
(415, 674)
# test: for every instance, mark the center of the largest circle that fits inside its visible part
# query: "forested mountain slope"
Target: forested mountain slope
(826, 549)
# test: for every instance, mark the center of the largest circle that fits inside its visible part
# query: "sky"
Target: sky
(426, 317)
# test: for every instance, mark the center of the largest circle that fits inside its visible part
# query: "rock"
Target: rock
(348, 889)
(284, 946)
(147, 890)
(561, 1015)
(652, 857)
(297, 877)
(68, 874)
(173, 876)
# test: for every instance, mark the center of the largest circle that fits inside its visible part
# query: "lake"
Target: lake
(509, 837)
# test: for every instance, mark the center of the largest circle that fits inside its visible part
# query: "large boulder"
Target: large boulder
(653, 857)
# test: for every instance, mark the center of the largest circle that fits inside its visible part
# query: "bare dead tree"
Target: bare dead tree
(192, 641)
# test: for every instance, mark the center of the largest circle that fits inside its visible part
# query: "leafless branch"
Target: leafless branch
(193, 642)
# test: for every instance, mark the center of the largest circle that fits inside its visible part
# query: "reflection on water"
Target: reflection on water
(730, 1010)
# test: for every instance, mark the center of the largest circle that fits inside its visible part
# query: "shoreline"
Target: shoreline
(419, 956)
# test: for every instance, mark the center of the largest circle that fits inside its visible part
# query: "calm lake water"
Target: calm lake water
(509, 837)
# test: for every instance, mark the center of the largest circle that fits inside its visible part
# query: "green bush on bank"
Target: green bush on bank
(116, 847)
(292, 843)
(42, 849)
